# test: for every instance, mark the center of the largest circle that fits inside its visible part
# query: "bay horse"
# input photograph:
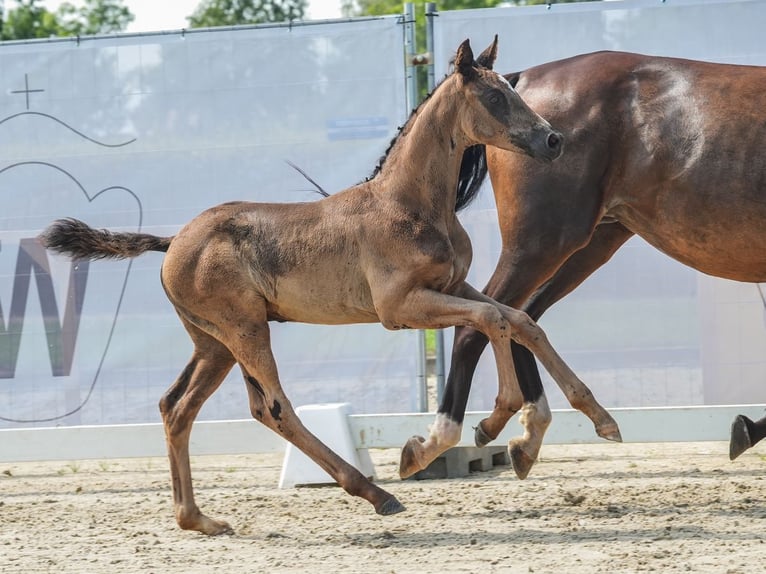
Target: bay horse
(388, 250)
(668, 149)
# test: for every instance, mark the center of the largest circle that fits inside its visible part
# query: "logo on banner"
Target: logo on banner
(56, 316)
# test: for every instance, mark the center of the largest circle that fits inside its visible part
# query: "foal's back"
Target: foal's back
(293, 262)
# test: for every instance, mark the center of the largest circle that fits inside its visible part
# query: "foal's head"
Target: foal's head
(497, 115)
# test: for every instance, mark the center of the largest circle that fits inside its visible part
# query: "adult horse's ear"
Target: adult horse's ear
(487, 57)
(464, 62)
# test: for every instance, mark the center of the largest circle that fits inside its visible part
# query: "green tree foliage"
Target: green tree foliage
(94, 17)
(211, 13)
(27, 19)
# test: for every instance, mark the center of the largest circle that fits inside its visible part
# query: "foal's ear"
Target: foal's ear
(487, 57)
(464, 62)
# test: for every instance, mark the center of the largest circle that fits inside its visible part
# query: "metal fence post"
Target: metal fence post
(431, 13)
(409, 51)
(411, 81)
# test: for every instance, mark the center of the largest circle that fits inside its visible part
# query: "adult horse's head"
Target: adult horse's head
(502, 119)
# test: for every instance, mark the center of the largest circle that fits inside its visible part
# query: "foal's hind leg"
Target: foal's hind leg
(210, 363)
(268, 404)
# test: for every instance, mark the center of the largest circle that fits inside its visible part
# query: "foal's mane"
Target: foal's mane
(473, 168)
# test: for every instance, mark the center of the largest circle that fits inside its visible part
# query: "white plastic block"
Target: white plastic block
(329, 423)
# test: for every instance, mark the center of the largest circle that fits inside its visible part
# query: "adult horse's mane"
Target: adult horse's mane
(473, 168)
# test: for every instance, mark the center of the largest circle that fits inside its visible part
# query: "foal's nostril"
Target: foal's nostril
(554, 141)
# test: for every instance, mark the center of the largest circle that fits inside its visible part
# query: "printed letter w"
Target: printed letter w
(61, 335)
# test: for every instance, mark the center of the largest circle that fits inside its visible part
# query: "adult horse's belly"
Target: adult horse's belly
(725, 238)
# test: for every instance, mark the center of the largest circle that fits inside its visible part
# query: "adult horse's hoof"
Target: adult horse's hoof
(521, 461)
(480, 437)
(409, 462)
(740, 437)
(390, 506)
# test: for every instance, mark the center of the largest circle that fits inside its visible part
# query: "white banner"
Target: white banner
(144, 132)
(643, 330)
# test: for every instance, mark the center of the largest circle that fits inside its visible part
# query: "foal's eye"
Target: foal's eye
(494, 99)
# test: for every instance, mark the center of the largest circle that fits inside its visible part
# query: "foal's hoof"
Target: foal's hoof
(480, 437)
(609, 431)
(520, 461)
(740, 437)
(389, 507)
(409, 462)
(210, 527)
(225, 529)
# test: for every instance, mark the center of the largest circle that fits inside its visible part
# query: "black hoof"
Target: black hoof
(480, 437)
(390, 506)
(740, 437)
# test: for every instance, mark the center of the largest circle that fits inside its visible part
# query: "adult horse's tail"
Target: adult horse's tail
(78, 240)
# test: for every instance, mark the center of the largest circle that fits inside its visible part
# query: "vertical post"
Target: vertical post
(411, 81)
(439, 366)
(430, 15)
(409, 51)
(430, 11)
(422, 389)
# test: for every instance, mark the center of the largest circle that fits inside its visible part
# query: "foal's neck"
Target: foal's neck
(423, 165)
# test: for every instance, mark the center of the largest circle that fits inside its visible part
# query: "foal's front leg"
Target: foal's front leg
(529, 334)
(524, 330)
(428, 309)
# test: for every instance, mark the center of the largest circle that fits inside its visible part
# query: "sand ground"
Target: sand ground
(584, 509)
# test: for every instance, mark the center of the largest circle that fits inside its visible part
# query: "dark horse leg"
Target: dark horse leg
(745, 434)
(469, 345)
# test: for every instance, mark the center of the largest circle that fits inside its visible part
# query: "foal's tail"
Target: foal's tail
(78, 240)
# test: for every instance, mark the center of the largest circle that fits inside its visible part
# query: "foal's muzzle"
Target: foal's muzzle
(552, 145)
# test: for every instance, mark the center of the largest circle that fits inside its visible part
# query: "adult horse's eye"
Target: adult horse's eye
(494, 99)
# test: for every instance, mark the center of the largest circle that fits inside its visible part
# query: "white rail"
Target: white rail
(670, 424)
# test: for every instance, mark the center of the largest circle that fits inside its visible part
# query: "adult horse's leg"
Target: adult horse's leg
(606, 240)
(204, 373)
(250, 343)
(745, 433)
